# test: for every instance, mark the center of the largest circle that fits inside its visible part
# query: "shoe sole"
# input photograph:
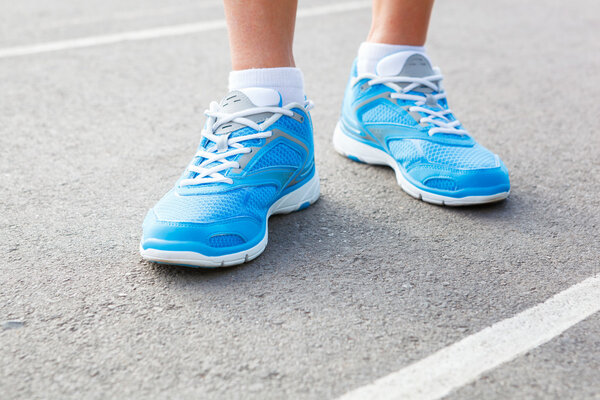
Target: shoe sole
(297, 200)
(360, 152)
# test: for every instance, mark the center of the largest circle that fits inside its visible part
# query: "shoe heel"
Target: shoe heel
(357, 151)
(300, 198)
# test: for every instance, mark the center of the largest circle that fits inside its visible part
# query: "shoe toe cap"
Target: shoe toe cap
(462, 182)
(211, 239)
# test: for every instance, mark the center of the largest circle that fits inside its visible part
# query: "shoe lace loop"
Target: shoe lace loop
(218, 147)
(442, 120)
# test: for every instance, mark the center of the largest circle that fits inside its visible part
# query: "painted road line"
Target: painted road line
(131, 15)
(166, 31)
(462, 362)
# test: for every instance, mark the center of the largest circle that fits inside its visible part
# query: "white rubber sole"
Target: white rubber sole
(370, 155)
(294, 201)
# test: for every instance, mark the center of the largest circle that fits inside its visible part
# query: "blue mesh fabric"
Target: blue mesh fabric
(474, 157)
(280, 154)
(388, 113)
(225, 240)
(261, 198)
(217, 206)
(293, 127)
(441, 183)
(404, 151)
(408, 151)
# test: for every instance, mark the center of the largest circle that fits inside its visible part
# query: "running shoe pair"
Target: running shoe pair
(256, 159)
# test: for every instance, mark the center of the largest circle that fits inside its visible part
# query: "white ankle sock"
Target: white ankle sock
(288, 81)
(369, 54)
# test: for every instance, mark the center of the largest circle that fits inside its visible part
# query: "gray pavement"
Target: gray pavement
(355, 287)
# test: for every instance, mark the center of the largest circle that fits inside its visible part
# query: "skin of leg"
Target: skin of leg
(402, 22)
(261, 32)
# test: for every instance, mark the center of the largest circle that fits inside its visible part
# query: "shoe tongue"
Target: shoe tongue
(405, 63)
(239, 100)
(243, 99)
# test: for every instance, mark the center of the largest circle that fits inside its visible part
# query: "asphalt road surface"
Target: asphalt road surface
(360, 285)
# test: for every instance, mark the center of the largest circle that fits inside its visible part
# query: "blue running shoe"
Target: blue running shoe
(255, 159)
(400, 117)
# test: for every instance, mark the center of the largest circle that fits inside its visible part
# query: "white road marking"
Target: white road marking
(462, 362)
(174, 30)
(131, 15)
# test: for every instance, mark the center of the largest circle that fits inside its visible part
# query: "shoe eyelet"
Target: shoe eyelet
(297, 117)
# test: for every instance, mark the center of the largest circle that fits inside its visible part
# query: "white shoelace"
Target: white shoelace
(442, 124)
(224, 146)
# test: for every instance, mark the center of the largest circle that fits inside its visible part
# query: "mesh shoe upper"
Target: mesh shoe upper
(222, 199)
(403, 110)
(409, 151)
